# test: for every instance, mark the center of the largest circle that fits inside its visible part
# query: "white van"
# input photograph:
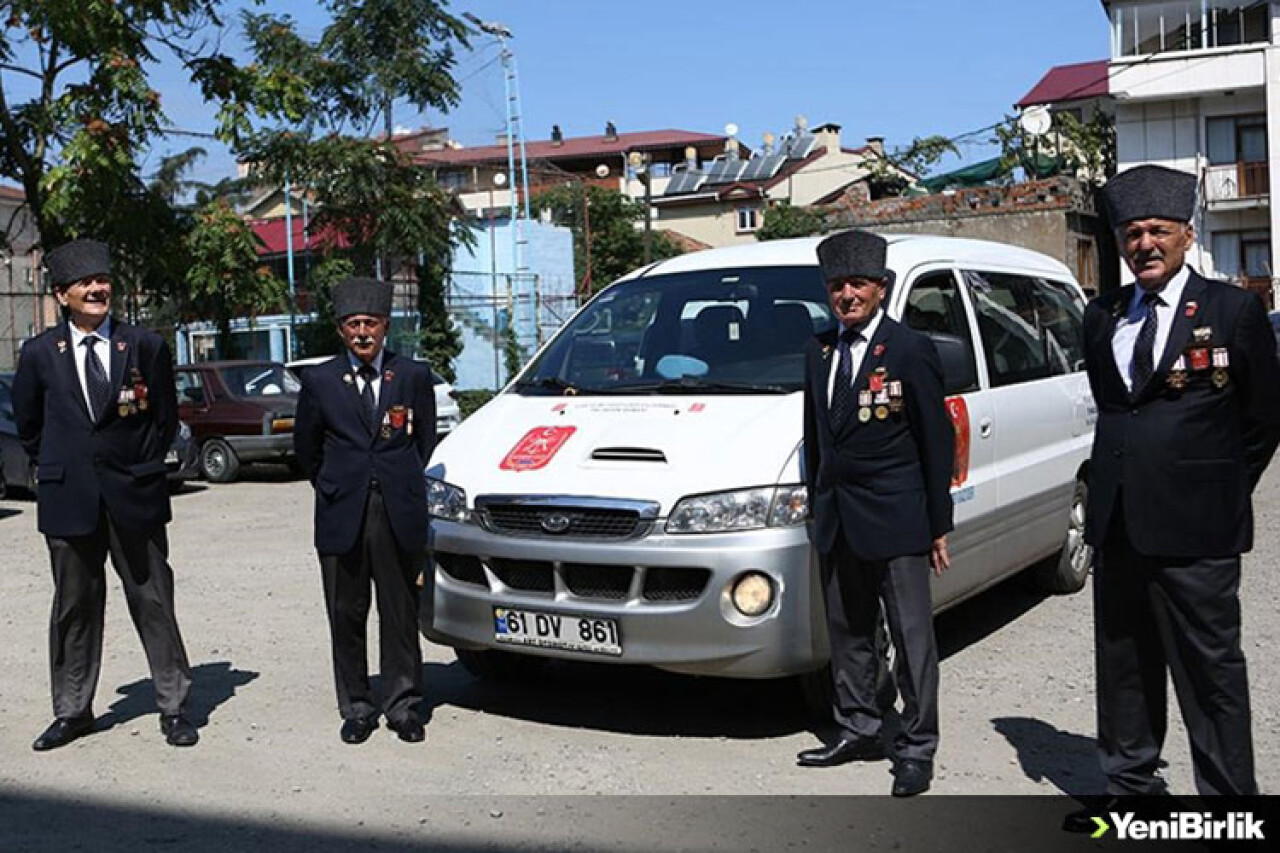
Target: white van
(635, 495)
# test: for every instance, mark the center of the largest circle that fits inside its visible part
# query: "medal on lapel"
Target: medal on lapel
(386, 425)
(139, 388)
(62, 346)
(346, 377)
(1177, 378)
(895, 396)
(864, 414)
(396, 415)
(876, 380)
(1221, 361)
(882, 412)
(125, 404)
(408, 419)
(1199, 358)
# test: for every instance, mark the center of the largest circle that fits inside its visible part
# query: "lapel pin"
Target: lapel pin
(388, 376)
(1191, 308)
(62, 345)
(120, 346)
(346, 377)
(826, 350)
(878, 351)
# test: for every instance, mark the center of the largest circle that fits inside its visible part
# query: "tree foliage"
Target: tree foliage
(616, 245)
(782, 221)
(896, 170)
(223, 274)
(1085, 149)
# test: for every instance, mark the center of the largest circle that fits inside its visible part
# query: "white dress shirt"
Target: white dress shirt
(857, 351)
(1126, 333)
(101, 350)
(356, 364)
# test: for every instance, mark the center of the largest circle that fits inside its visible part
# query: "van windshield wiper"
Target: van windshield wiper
(548, 383)
(694, 385)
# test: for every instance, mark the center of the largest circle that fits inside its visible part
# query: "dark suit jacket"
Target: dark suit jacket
(1187, 458)
(340, 449)
(84, 460)
(885, 483)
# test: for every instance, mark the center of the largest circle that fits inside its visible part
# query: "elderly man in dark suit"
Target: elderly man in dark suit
(878, 457)
(364, 431)
(1187, 385)
(96, 408)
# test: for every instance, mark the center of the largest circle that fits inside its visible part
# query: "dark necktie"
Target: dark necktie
(842, 392)
(1144, 347)
(95, 377)
(368, 374)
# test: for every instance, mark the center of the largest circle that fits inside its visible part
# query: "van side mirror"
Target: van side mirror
(959, 373)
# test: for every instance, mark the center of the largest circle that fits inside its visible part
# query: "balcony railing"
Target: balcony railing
(1237, 181)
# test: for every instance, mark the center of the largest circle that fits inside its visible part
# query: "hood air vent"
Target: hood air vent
(628, 454)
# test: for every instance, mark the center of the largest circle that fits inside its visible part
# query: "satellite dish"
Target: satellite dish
(602, 171)
(1035, 121)
(730, 129)
(499, 178)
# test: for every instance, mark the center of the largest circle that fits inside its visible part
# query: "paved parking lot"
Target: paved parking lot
(1017, 698)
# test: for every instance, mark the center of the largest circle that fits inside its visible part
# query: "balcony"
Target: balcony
(1237, 186)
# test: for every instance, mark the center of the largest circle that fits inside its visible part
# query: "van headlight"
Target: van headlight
(744, 509)
(445, 500)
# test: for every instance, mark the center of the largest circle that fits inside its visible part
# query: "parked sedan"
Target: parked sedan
(239, 412)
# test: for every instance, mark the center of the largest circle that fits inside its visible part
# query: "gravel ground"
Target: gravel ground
(1017, 697)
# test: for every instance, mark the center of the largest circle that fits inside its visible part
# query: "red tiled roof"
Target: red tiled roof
(272, 233)
(1069, 83)
(573, 149)
(13, 193)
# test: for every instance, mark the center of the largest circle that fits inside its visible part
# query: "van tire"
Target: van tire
(218, 462)
(1068, 570)
(493, 665)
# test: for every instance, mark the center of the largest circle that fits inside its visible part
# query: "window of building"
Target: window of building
(1142, 29)
(1237, 139)
(1242, 254)
(748, 218)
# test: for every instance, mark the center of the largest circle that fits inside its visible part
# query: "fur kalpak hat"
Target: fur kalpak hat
(361, 296)
(78, 259)
(1150, 192)
(853, 254)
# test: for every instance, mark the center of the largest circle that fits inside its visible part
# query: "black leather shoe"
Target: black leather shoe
(409, 731)
(357, 730)
(843, 751)
(912, 776)
(61, 732)
(1082, 821)
(178, 730)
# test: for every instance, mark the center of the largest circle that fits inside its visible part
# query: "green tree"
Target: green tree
(304, 113)
(782, 221)
(77, 113)
(1086, 149)
(616, 244)
(894, 172)
(223, 277)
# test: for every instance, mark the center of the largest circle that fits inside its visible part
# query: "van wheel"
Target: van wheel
(218, 462)
(1067, 571)
(491, 665)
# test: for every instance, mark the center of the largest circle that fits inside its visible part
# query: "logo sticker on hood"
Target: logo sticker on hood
(538, 446)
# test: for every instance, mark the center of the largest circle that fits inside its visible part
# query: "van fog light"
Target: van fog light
(753, 594)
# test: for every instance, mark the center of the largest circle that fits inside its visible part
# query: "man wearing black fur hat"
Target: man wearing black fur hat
(365, 428)
(879, 449)
(1185, 377)
(96, 408)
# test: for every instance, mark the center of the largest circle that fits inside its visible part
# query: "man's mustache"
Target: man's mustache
(363, 340)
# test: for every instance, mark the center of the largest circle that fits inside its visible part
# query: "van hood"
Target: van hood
(657, 448)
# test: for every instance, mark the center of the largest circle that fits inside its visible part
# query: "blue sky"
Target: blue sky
(896, 68)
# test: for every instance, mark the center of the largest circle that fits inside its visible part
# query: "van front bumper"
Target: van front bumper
(690, 628)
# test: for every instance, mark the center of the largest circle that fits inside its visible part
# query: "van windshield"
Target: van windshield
(720, 331)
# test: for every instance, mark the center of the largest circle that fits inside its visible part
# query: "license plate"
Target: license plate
(557, 631)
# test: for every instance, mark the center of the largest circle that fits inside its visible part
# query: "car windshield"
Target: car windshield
(722, 331)
(260, 380)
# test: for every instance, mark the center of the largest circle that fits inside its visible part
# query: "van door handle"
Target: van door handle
(984, 427)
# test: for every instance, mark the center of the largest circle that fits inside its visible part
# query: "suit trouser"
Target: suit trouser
(1153, 613)
(854, 591)
(79, 602)
(394, 573)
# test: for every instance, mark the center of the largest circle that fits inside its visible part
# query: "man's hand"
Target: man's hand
(939, 559)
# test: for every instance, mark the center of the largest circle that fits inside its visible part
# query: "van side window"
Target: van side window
(1060, 312)
(934, 307)
(1008, 321)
